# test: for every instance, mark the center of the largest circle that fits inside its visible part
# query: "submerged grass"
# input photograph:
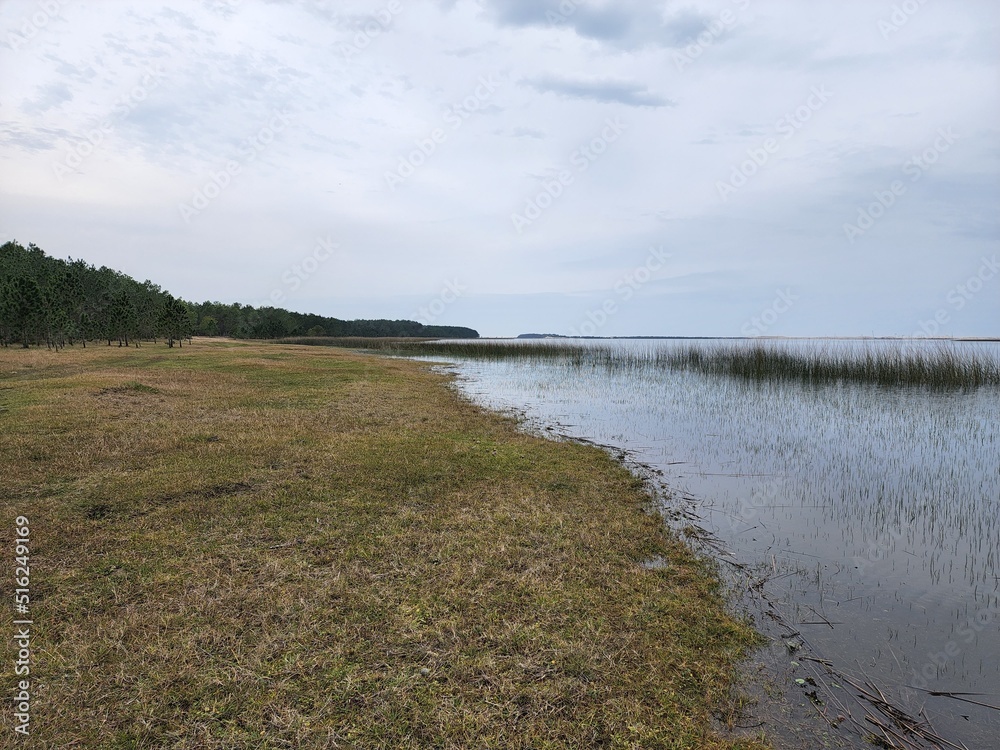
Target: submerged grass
(941, 366)
(250, 545)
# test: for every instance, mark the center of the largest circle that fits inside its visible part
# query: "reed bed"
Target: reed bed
(940, 367)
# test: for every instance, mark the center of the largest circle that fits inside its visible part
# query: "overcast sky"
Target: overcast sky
(611, 168)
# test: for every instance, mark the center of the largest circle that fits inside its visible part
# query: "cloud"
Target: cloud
(527, 133)
(38, 138)
(181, 19)
(606, 91)
(523, 12)
(48, 97)
(220, 81)
(617, 22)
(463, 52)
(627, 25)
(684, 28)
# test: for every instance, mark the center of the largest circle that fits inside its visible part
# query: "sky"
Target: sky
(578, 167)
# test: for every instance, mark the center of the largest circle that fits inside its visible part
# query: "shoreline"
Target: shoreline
(803, 695)
(304, 545)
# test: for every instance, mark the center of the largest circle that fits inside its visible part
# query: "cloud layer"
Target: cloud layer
(533, 154)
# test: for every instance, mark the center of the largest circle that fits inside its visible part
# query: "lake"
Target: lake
(860, 522)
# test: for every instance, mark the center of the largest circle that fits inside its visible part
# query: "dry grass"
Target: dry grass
(257, 546)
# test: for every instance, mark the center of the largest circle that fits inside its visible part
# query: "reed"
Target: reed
(943, 366)
(940, 367)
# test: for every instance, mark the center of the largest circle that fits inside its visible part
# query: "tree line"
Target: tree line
(45, 301)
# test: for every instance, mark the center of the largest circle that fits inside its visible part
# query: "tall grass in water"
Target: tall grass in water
(940, 367)
(885, 364)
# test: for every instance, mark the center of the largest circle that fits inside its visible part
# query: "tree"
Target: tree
(174, 321)
(27, 310)
(208, 326)
(55, 301)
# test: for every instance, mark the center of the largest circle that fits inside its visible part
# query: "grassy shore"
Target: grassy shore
(263, 546)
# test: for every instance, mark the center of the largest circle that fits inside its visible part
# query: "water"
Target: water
(872, 513)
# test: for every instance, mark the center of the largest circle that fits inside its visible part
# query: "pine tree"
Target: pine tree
(175, 322)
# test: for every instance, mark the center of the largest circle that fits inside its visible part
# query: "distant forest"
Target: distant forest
(50, 302)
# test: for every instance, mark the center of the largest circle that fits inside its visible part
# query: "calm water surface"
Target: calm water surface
(873, 513)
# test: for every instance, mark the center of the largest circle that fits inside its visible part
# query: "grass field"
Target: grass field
(240, 545)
